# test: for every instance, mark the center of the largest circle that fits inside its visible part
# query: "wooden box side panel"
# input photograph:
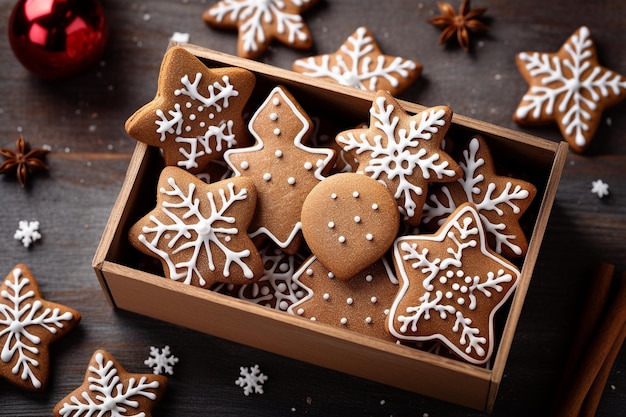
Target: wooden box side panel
(325, 346)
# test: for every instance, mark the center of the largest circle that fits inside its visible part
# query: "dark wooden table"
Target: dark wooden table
(82, 119)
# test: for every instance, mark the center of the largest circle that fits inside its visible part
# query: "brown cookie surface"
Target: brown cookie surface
(451, 286)
(199, 231)
(108, 389)
(499, 200)
(197, 112)
(259, 22)
(349, 221)
(360, 63)
(569, 88)
(28, 324)
(403, 151)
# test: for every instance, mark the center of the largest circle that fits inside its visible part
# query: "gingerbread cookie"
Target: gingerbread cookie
(359, 63)
(360, 304)
(403, 151)
(282, 168)
(500, 201)
(108, 389)
(568, 87)
(349, 221)
(261, 21)
(197, 112)
(198, 230)
(451, 285)
(28, 324)
(276, 289)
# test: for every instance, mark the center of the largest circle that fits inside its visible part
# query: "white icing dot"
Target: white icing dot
(443, 279)
(331, 275)
(309, 272)
(460, 273)
(463, 289)
(192, 117)
(369, 278)
(283, 305)
(333, 196)
(343, 320)
(227, 239)
(357, 219)
(456, 286)
(349, 301)
(278, 153)
(300, 311)
(211, 116)
(331, 224)
(200, 108)
(313, 319)
(291, 180)
(450, 274)
(276, 101)
(374, 299)
(460, 301)
(308, 166)
(267, 176)
(277, 131)
(244, 165)
(342, 239)
(369, 236)
(326, 296)
(188, 104)
(468, 280)
(265, 290)
(299, 294)
(368, 320)
(449, 294)
(188, 129)
(374, 206)
(283, 267)
(177, 92)
(355, 194)
(386, 312)
(202, 124)
(273, 116)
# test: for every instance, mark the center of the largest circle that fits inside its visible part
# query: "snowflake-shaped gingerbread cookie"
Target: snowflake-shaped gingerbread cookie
(500, 200)
(109, 390)
(197, 112)
(199, 230)
(403, 151)
(451, 285)
(261, 21)
(28, 324)
(359, 63)
(570, 88)
(282, 167)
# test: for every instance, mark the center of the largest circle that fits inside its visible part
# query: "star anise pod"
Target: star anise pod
(468, 20)
(23, 161)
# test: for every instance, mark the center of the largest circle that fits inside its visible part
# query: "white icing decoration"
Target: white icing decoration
(398, 153)
(308, 166)
(161, 360)
(277, 132)
(173, 124)
(278, 153)
(110, 395)
(251, 380)
(598, 187)
(252, 15)
(273, 99)
(291, 180)
(343, 320)
(577, 87)
(341, 239)
(349, 301)
(473, 182)
(20, 311)
(199, 235)
(357, 219)
(27, 233)
(273, 116)
(369, 236)
(464, 231)
(331, 224)
(267, 176)
(245, 165)
(355, 68)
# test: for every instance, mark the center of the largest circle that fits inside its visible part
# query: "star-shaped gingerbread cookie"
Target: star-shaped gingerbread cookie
(108, 389)
(199, 230)
(261, 21)
(403, 151)
(568, 87)
(360, 304)
(451, 285)
(360, 63)
(28, 324)
(282, 167)
(500, 200)
(197, 112)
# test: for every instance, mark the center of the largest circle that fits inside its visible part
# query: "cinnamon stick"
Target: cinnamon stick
(605, 337)
(590, 405)
(594, 306)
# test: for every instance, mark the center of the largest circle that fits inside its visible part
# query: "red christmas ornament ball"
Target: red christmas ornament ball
(57, 38)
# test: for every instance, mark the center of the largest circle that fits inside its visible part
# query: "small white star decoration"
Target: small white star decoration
(27, 233)
(600, 188)
(251, 380)
(161, 360)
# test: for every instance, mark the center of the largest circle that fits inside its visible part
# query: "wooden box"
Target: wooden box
(129, 287)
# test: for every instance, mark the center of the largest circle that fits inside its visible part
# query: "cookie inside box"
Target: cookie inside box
(334, 109)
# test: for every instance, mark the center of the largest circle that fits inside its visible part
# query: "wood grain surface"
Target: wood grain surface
(82, 120)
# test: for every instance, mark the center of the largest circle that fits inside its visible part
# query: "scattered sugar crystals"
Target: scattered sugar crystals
(28, 232)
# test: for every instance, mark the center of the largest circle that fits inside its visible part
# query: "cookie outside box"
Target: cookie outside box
(130, 285)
